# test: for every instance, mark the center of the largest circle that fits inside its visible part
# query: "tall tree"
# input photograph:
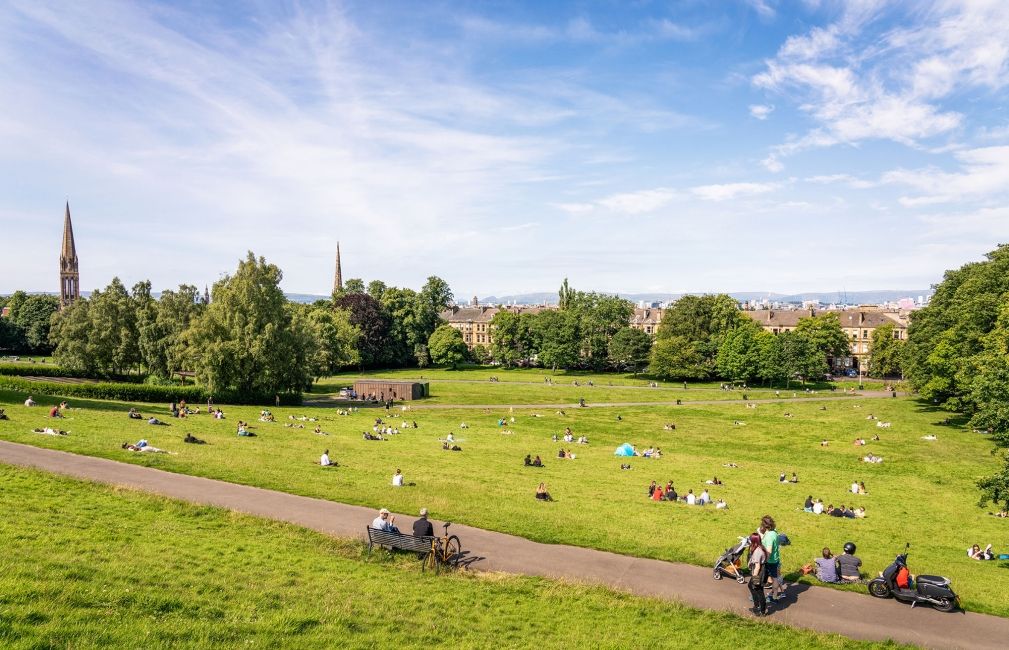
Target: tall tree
(248, 339)
(676, 357)
(702, 320)
(565, 295)
(739, 355)
(557, 333)
(630, 348)
(71, 338)
(33, 319)
(447, 347)
(371, 321)
(885, 352)
(336, 340)
(824, 331)
(599, 318)
(995, 488)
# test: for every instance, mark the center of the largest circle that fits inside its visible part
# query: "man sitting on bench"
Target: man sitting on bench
(384, 522)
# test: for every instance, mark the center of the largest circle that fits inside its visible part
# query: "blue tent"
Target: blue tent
(624, 450)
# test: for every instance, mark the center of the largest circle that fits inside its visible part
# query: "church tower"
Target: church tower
(70, 279)
(338, 277)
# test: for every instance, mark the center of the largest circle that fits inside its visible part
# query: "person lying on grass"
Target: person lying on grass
(975, 553)
(318, 431)
(49, 431)
(193, 440)
(144, 448)
(445, 446)
(134, 415)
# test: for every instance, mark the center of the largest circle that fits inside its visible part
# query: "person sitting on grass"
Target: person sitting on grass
(446, 447)
(782, 479)
(244, 432)
(690, 498)
(29, 401)
(54, 412)
(191, 439)
(528, 462)
(542, 494)
(808, 505)
(318, 431)
(671, 492)
(975, 553)
(721, 505)
(561, 454)
(134, 415)
(848, 564)
(397, 478)
(384, 522)
(794, 479)
(818, 507)
(3, 415)
(861, 488)
(826, 567)
(704, 499)
(325, 461)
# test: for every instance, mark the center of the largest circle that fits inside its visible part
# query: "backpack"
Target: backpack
(903, 579)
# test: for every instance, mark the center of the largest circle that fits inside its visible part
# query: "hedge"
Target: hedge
(51, 370)
(141, 392)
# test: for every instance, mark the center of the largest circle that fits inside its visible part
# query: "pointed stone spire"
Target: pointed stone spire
(338, 277)
(206, 295)
(70, 281)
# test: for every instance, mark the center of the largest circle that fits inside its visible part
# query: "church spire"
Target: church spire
(70, 281)
(338, 277)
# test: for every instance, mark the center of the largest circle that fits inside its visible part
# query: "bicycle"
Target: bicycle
(445, 550)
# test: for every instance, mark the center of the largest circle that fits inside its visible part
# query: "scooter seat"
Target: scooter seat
(933, 580)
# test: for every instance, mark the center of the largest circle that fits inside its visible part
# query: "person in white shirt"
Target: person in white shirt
(721, 505)
(691, 499)
(854, 487)
(325, 461)
(384, 522)
(397, 479)
(29, 401)
(818, 507)
(704, 499)
(450, 438)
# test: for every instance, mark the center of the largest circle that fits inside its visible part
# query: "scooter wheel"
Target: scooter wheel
(945, 605)
(741, 580)
(879, 589)
(717, 575)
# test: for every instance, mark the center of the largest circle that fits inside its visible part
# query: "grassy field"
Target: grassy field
(527, 387)
(923, 492)
(87, 567)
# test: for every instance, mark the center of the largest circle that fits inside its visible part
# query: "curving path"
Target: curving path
(817, 608)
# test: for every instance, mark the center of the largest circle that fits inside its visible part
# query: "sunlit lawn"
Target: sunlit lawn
(87, 566)
(923, 492)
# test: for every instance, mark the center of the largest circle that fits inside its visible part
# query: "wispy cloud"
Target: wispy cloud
(984, 174)
(761, 111)
(856, 89)
(727, 191)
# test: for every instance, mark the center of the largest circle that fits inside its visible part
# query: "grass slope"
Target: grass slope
(924, 491)
(87, 566)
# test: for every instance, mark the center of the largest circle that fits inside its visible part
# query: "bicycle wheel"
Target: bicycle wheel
(452, 552)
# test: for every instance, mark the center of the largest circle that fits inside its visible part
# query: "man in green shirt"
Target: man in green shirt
(769, 540)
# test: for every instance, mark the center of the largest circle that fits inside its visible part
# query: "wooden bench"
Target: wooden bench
(420, 545)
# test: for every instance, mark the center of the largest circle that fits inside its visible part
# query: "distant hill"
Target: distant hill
(872, 297)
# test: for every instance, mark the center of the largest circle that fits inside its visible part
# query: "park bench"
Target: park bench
(420, 545)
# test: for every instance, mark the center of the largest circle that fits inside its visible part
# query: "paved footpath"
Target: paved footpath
(825, 610)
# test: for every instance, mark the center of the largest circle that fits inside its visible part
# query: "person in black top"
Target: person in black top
(809, 503)
(422, 527)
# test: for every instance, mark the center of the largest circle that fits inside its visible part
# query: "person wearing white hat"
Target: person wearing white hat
(385, 522)
(422, 527)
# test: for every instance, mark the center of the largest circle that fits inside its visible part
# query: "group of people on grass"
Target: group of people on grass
(656, 492)
(816, 507)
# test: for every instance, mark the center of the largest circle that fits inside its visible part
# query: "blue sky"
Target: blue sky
(630, 146)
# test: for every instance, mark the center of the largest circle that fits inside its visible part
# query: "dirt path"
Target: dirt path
(825, 610)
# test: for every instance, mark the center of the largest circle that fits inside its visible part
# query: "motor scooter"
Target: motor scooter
(934, 590)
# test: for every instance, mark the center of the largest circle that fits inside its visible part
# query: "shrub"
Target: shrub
(125, 392)
(50, 370)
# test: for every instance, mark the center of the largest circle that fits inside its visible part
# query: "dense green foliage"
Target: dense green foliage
(629, 349)
(26, 328)
(135, 392)
(95, 566)
(885, 352)
(447, 347)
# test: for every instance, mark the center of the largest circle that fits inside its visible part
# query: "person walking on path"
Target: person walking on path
(769, 539)
(758, 575)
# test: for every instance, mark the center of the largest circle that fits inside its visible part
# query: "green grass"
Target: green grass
(87, 566)
(924, 491)
(472, 387)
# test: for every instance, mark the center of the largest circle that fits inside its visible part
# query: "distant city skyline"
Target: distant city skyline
(788, 147)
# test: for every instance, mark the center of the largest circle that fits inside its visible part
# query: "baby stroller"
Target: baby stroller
(728, 562)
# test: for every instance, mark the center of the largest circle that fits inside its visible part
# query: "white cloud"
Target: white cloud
(858, 81)
(841, 179)
(984, 173)
(575, 208)
(638, 202)
(727, 191)
(764, 8)
(761, 111)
